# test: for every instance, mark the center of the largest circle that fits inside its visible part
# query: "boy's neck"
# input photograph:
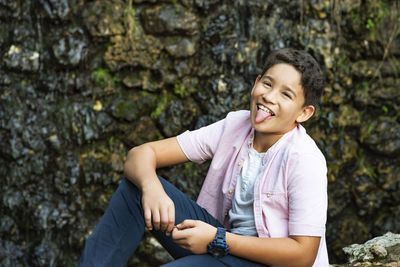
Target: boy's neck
(263, 141)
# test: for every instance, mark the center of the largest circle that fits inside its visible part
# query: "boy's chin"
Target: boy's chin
(258, 127)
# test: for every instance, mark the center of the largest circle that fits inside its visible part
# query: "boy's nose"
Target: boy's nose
(270, 96)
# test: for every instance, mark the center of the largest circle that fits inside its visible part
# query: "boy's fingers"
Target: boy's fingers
(171, 218)
(178, 235)
(163, 219)
(182, 233)
(173, 232)
(147, 218)
(187, 224)
(156, 219)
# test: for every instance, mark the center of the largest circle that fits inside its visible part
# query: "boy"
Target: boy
(266, 184)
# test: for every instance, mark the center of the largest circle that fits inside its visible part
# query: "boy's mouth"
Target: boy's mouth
(263, 113)
(265, 109)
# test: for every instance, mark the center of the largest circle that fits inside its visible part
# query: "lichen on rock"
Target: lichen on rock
(379, 251)
(132, 52)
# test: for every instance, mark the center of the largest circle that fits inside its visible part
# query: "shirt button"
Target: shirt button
(268, 195)
(230, 191)
(240, 163)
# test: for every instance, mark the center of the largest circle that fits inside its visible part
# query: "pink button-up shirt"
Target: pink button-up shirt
(290, 194)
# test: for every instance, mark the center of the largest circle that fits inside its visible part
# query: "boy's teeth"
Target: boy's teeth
(264, 108)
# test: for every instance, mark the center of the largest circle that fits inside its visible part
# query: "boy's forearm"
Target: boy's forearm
(280, 251)
(140, 167)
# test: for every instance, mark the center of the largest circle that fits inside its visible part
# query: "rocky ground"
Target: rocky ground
(379, 251)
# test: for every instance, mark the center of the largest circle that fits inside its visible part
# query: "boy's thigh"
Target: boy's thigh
(195, 261)
(208, 260)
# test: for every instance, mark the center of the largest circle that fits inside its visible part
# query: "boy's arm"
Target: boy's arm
(140, 168)
(291, 251)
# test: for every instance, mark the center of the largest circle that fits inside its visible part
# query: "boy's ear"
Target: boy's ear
(306, 113)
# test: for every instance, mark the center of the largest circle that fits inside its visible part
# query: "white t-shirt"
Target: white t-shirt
(241, 215)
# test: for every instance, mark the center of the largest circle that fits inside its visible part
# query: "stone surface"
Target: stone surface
(105, 18)
(372, 249)
(382, 136)
(69, 50)
(379, 251)
(56, 8)
(170, 20)
(22, 59)
(180, 47)
(147, 80)
(132, 52)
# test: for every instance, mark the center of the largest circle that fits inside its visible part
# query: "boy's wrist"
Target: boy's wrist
(218, 247)
(151, 185)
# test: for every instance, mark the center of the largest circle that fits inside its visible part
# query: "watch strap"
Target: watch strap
(218, 246)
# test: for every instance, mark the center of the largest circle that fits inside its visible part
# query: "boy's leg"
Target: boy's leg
(196, 261)
(208, 260)
(121, 228)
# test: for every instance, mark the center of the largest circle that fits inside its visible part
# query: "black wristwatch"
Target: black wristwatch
(218, 247)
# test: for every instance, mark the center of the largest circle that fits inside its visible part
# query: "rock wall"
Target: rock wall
(81, 82)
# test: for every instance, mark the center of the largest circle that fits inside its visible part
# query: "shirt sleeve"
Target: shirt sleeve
(200, 145)
(307, 195)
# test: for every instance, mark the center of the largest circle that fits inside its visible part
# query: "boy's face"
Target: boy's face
(277, 101)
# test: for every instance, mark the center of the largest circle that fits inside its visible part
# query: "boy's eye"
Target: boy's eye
(268, 84)
(287, 95)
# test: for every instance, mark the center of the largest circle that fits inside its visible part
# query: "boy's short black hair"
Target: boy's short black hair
(312, 79)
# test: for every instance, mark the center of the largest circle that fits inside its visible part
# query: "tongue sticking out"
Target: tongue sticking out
(262, 115)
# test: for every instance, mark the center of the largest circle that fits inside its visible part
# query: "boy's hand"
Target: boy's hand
(159, 210)
(194, 235)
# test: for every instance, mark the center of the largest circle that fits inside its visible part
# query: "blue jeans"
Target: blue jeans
(121, 229)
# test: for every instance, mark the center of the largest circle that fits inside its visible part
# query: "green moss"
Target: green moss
(179, 89)
(380, 18)
(367, 129)
(363, 166)
(124, 109)
(111, 141)
(342, 61)
(129, 16)
(190, 169)
(186, 86)
(370, 24)
(162, 102)
(23, 83)
(105, 80)
(101, 77)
